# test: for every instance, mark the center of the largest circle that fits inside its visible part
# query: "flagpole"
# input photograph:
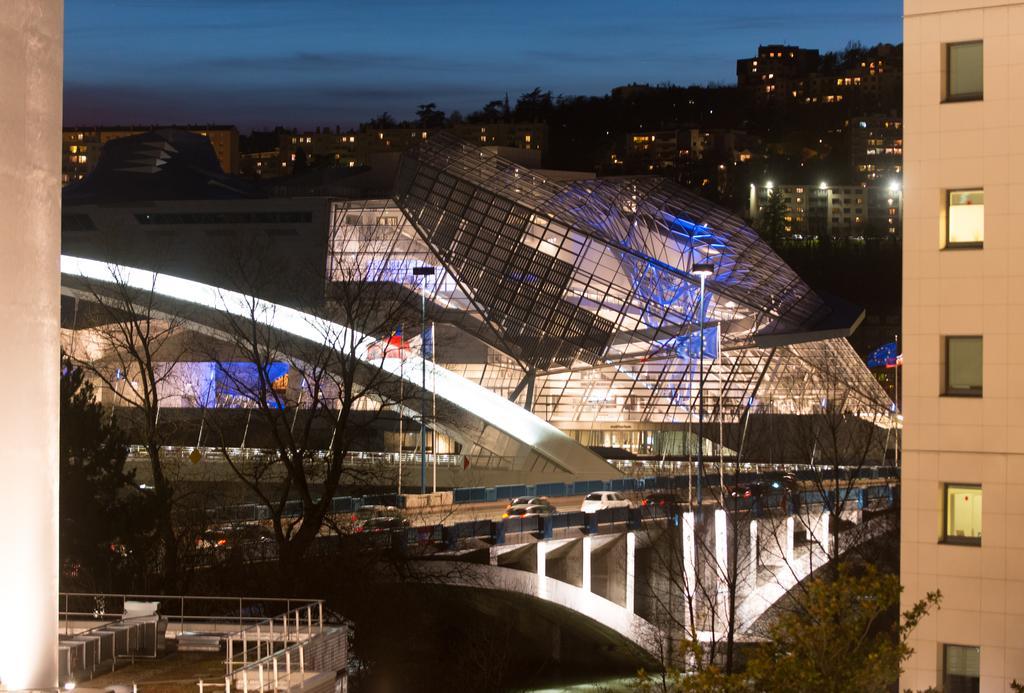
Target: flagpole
(401, 404)
(898, 408)
(433, 412)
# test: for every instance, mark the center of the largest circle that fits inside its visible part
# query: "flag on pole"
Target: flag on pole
(885, 356)
(424, 343)
(392, 347)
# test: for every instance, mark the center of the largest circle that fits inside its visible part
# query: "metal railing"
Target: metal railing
(82, 608)
(271, 647)
(180, 453)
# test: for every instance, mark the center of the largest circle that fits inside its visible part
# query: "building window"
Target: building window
(964, 80)
(963, 366)
(965, 218)
(961, 669)
(962, 505)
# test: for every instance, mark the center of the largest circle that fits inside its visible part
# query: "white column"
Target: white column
(542, 569)
(752, 568)
(31, 64)
(689, 555)
(790, 528)
(588, 544)
(721, 565)
(822, 532)
(630, 571)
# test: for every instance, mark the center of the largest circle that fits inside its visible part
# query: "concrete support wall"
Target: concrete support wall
(31, 63)
(587, 547)
(608, 570)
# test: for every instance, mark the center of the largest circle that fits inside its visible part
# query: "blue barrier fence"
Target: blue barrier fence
(486, 494)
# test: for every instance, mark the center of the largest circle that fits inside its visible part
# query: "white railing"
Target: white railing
(83, 609)
(271, 649)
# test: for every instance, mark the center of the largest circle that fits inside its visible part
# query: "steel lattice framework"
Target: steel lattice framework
(585, 288)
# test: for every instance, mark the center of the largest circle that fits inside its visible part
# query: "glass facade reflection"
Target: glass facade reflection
(576, 299)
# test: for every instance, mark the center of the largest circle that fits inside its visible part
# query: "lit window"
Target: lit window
(963, 514)
(965, 223)
(963, 366)
(961, 669)
(964, 71)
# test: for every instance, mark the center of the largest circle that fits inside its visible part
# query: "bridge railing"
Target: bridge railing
(254, 512)
(544, 526)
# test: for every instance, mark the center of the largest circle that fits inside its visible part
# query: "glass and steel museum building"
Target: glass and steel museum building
(599, 311)
(579, 300)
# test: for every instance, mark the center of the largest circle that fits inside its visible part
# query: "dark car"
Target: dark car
(755, 489)
(667, 502)
(382, 523)
(379, 518)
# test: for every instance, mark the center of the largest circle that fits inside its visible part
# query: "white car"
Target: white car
(600, 500)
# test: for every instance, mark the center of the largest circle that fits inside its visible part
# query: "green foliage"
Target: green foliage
(702, 676)
(105, 526)
(840, 637)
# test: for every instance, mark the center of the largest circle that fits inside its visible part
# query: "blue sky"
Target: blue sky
(259, 63)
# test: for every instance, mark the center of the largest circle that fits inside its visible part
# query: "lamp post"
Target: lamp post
(423, 272)
(702, 270)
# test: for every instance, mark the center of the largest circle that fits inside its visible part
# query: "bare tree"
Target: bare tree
(133, 351)
(313, 398)
(839, 442)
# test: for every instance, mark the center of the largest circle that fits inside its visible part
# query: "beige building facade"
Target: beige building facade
(963, 322)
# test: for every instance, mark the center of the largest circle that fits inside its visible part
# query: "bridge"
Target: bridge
(503, 439)
(623, 570)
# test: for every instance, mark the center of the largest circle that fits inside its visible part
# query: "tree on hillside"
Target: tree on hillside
(772, 221)
(382, 122)
(429, 117)
(534, 106)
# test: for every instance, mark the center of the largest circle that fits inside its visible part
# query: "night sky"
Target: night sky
(303, 63)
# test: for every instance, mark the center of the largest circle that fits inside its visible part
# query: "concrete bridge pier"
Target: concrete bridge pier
(613, 568)
(776, 541)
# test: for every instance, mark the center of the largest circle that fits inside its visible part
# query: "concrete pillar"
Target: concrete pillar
(588, 547)
(542, 562)
(790, 529)
(721, 564)
(822, 533)
(754, 549)
(630, 571)
(689, 554)
(31, 63)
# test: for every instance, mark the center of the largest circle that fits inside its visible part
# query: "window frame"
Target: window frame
(955, 540)
(962, 245)
(970, 392)
(948, 97)
(944, 673)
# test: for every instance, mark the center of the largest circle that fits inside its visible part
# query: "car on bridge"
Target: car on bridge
(665, 501)
(602, 500)
(534, 509)
(376, 518)
(523, 501)
(785, 485)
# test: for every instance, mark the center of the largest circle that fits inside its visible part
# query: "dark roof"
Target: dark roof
(166, 164)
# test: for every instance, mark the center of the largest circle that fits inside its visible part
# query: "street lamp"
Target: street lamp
(423, 272)
(702, 270)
